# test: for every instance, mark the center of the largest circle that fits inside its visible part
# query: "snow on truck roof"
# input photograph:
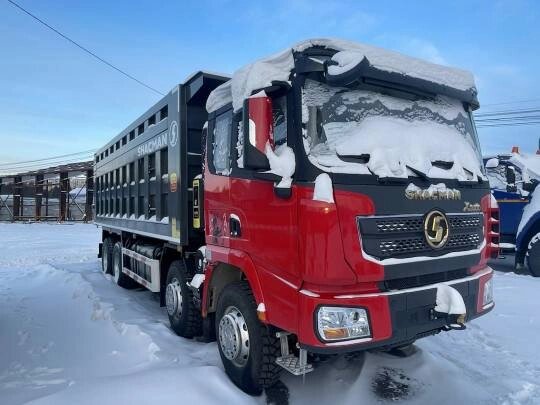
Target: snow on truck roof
(277, 67)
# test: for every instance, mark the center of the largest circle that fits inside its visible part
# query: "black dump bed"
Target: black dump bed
(144, 174)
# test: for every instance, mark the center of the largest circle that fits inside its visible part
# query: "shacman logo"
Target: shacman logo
(152, 145)
(436, 229)
(173, 134)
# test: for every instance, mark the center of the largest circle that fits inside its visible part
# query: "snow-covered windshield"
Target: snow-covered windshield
(358, 131)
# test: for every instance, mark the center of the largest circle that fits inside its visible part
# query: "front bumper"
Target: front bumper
(396, 317)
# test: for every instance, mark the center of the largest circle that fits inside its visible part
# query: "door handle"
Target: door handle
(234, 226)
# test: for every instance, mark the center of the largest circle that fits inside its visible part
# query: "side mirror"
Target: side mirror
(530, 185)
(258, 130)
(510, 175)
(492, 163)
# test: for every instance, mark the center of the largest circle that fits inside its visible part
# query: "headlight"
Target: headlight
(337, 323)
(488, 293)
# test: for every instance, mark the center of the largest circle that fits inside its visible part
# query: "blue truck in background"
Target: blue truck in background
(513, 179)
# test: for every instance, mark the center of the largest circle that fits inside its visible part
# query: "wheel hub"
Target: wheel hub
(173, 298)
(234, 336)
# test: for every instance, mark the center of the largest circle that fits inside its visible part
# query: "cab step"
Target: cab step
(287, 360)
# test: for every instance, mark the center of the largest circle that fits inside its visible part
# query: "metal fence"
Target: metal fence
(59, 193)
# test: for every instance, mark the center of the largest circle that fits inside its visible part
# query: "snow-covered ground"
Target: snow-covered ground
(68, 335)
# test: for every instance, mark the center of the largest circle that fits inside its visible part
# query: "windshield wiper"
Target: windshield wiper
(363, 158)
(418, 173)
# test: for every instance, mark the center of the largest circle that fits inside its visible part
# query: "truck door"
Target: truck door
(261, 223)
(217, 181)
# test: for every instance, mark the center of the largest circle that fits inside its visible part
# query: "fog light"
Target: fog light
(488, 293)
(337, 323)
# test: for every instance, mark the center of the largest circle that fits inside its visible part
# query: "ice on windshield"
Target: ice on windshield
(364, 132)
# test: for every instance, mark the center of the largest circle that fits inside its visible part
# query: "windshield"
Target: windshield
(359, 131)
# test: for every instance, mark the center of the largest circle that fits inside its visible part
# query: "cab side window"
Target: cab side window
(279, 112)
(222, 143)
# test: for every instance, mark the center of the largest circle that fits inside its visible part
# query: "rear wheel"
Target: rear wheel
(533, 255)
(184, 316)
(246, 346)
(120, 278)
(106, 256)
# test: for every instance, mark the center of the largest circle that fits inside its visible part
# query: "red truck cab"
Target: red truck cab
(405, 206)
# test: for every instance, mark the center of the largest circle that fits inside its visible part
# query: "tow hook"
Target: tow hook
(454, 322)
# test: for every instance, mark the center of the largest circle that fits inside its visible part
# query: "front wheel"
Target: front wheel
(247, 348)
(533, 255)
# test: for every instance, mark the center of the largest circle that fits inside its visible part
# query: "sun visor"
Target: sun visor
(426, 78)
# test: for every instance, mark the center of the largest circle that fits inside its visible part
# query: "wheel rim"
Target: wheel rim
(234, 336)
(105, 260)
(173, 298)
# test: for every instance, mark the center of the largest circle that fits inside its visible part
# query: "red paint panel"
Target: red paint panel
(350, 205)
(321, 245)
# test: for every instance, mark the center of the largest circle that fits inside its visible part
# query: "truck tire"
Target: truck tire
(247, 348)
(533, 255)
(184, 317)
(106, 256)
(119, 277)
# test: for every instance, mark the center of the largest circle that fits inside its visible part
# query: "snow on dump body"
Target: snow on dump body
(278, 67)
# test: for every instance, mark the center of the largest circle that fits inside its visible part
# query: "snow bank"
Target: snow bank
(278, 67)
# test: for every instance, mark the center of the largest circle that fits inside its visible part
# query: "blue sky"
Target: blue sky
(55, 99)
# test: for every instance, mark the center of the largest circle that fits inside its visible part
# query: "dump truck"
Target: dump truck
(327, 199)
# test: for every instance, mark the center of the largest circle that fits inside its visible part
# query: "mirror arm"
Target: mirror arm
(267, 176)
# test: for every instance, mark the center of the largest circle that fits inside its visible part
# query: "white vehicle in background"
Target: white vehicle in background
(513, 179)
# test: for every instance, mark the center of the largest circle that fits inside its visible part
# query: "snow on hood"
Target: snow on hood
(393, 144)
(278, 67)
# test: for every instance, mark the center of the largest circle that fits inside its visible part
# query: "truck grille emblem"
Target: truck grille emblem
(436, 229)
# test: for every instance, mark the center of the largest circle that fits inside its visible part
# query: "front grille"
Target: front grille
(402, 237)
(399, 225)
(388, 247)
(426, 279)
(462, 221)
